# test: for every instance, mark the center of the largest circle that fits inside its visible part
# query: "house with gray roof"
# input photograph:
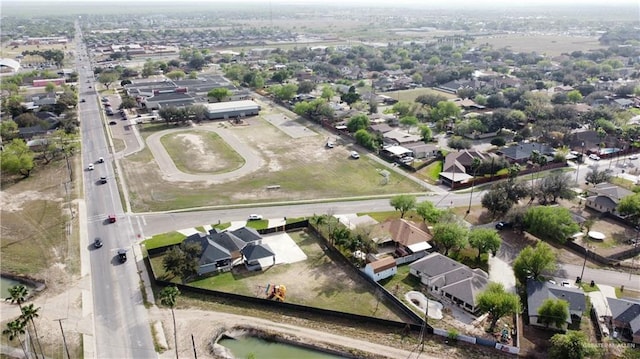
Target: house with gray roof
(221, 251)
(521, 152)
(450, 280)
(538, 292)
(604, 197)
(625, 319)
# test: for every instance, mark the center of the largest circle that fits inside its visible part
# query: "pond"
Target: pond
(253, 347)
(6, 283)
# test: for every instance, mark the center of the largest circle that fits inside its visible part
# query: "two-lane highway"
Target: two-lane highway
(121, 324)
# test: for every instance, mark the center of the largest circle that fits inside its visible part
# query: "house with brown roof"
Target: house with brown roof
(405, 237)
(381, 269)
(457, 165)
(450, 280)
(604, 197)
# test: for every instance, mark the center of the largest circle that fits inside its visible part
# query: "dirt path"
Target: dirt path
(203, 325)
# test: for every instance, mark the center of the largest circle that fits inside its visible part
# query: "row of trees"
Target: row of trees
(24, 324)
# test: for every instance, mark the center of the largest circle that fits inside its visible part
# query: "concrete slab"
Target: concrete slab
(286, 250)
(277, 222)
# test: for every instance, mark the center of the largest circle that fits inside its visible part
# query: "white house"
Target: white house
(381, 269)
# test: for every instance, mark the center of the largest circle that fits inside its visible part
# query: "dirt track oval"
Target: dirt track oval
(171, 173)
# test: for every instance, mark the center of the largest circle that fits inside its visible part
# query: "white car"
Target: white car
(255, 217)
(90, 168)
(355, 155)
(633, 157)
(330, 145)
(594, 157)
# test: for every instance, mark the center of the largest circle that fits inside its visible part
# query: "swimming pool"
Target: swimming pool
(608, 151)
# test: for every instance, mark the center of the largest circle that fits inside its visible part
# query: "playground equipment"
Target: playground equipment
(276, 292)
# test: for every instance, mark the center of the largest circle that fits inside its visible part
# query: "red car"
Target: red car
(112, 218)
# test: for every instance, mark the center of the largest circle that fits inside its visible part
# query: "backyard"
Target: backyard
(319, 281)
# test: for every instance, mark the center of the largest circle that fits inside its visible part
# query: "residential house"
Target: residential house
(589, 141)
(457, 166)
(538, 292)
(625, 319)
(521, 152)
(220, 251)
(422, 150)
(405, 238)
(450, 280)
(400, 137)
(381, 269)
(604, 197)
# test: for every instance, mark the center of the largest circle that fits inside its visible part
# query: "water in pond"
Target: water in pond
(248, 346)
(6, 283)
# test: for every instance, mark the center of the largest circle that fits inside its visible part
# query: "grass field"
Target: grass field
(184, 146)
(318, 281)
(303, 168)
(411, 95)
(34, 231)
(550, 45)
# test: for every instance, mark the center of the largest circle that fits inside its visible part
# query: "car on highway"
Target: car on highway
(103, 179)
(254, 217)
(594, 157)
(355, 155)
(122, 255)
(90, 167)
(100, 159)
(97, 243)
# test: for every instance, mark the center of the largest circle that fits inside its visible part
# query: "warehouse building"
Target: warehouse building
(231, 109)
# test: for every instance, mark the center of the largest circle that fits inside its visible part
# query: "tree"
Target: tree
(306, 87)
(630, 206)
(403, 203)
(168, 297)
(553, 186)
(50, 87)
(574, 96)
(350, 97)
(15, 329)
(498, 141)
(425, 133)
(176, 75)
(498, 303)
(29, 312)
(428, 211)
(358, 122)
(594, 176)
(553, 311)
(458, 143)
(327, 93)
(445, 110)
(219, 93)
(571, 345)
(550, 223)
(503, 195)
(128, 102)
(106, 78)
(365, 139)
(284, 92)
(484, 240)
(8, 130)
(17, 158)
(534, 262)
(450, 236)
(182, 261)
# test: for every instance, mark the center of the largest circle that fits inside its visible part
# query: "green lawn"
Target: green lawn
(431, 173)
(164, 239)
(260, 224)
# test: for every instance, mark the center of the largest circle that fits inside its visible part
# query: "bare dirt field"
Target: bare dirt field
(303, 168)
(213, 154)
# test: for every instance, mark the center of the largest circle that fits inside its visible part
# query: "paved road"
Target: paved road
(121, 325)
(610, 277)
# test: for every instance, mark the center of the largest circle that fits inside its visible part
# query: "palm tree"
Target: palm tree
(28, 313)
(18, 294)
(13, 330)
(168, 297)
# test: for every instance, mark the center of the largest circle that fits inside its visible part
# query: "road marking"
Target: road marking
(144, 221)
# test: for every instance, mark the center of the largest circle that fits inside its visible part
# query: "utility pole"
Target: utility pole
(64, 340)
(193, 343)
(426, 324)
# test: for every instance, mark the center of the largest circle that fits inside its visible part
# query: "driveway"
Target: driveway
(170, 172)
